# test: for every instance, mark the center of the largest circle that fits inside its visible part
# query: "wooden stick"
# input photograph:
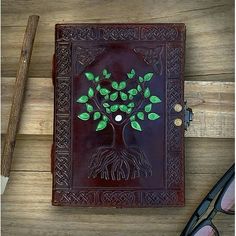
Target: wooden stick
(18, 97)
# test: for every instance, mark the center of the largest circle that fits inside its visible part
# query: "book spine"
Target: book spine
(53, 82)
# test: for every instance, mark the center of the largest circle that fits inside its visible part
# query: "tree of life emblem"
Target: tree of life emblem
(127, 102)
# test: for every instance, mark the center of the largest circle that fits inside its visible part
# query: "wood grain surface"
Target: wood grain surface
(26, 205)
(210, 29)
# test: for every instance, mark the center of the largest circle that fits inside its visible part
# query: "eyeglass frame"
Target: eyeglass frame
(219, 188)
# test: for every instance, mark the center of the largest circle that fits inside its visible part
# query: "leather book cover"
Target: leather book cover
(119, 115)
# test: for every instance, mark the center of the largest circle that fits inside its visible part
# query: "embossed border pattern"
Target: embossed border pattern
(170, 32)
(175, 135)
(62, 118)
(116, 198)
(173, 37)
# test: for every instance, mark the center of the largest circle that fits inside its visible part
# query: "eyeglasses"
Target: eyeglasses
(224, 203)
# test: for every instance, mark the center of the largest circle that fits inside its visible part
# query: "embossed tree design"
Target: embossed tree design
(118, 104)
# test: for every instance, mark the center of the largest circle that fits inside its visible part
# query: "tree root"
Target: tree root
(116, 164)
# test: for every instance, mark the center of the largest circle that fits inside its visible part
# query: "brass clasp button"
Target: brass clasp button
(178, 122)
(178, 107)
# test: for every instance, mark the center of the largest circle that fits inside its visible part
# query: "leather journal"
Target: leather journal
(119, 115)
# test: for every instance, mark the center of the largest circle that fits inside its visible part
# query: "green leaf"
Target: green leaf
(129, 110)
(133, 92)
(114, 108)
(104, 91)
(101, 125)
(96, 115)
(131, 97)
(114, 85)
(136, 125)
(132, 118)
(148, 76)
(148, 108)
(90, 92)
(114, 96)
(122, 85)
(123, 108)
(98, 87)
(89, 75)
(107, 97)
(140, 115)
(84, 116)
(108, 75)
(153, 116)
(155, 99)
(131, 104)
(104, 72)
(147, 93)
(105, 118)
(105, 104)
(140, 79)
(131, 74)
(89, 107)
(108, 110)
(82, 99)
(139, 88)
(96, 78)
(123, 96)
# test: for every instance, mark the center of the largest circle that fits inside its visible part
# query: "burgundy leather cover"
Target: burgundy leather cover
(120, 165)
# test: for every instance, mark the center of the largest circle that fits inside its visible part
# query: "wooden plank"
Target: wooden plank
(210, 29)
(117, 10)
(32, 154)
(37, 112)
(213, 106)
(212, 102)
(26, 210)
(202, 154)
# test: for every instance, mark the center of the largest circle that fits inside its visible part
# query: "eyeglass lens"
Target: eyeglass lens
(206, 230)
(227, 202)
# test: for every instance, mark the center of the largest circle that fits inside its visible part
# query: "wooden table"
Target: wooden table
(209, 75)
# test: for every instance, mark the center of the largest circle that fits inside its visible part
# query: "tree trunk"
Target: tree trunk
(118, 136)
(119, 161)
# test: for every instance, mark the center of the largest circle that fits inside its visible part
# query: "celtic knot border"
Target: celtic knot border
(62, 118)
(175, 134)
(103, 32)
(117, 198)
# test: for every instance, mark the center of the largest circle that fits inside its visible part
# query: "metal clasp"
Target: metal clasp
(188, 115)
